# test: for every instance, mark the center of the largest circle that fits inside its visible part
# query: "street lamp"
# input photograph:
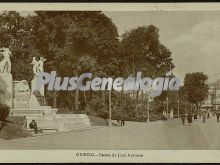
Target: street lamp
(110, 109)
(167, 107)
(178, 115)
(190, 109)
(148, 94)
(148, 109)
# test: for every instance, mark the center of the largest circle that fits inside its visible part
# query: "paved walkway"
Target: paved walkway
(160, 135)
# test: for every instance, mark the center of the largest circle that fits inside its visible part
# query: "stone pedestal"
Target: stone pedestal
(6, 83)
(34, 104)
(33, 87)
(21, 95)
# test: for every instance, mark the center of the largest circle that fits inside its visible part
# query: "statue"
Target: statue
(5, 63)
(38, 67)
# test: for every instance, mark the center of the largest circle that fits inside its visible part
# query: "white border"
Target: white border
(55, 156)
(112, 6)
(150, 156)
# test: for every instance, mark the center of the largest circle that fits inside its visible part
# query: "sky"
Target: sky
(193, 37)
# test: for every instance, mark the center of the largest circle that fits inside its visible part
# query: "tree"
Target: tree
(143, 51)
(65, 38)
(195, 87)
(16, 32)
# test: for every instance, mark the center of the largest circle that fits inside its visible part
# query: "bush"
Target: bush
(13, 131)
(4, 112)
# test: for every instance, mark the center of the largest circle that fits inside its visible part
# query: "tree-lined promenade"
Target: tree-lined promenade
(159, 135)
(80, 42)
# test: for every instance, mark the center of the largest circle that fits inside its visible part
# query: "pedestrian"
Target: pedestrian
(218, 115)
(208, 116)
(164, 115)
(204, 117)
(189, 118)
(183, 118)
(122, 122)
(195, 116)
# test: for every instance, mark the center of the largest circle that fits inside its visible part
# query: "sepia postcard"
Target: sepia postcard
(109, 82)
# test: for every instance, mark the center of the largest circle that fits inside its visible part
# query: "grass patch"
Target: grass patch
(97, 121)
(14, 128)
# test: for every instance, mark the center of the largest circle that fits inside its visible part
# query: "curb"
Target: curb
(48, 134)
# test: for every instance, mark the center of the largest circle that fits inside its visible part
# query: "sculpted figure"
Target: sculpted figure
(38, 66)
(5, 63)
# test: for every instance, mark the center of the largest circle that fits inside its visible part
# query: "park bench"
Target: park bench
(48, 129)
(43, 129)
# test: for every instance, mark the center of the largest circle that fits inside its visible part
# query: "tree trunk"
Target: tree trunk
(90, 94)
(103, 97)
(142, 95)
(110, 109)
(137, 95)
(121, 100)
(55, 94)
(85, 99)
(77, 99)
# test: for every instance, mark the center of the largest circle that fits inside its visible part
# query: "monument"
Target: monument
(38, 67)
(23, 101)
(6, 81)
(21, 94)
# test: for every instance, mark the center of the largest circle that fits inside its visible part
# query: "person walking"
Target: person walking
(218, 115)
(118, 122)
(208, 116)
(183, 118)
(164, 116)
(122, 122)
(189, 118)
(204, 117)
(195, 116)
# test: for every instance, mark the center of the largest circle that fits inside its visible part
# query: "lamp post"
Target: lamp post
(149, 97)
(178, 114)
(190, 109)
(148, 109)
(110, 109)
(167, 107)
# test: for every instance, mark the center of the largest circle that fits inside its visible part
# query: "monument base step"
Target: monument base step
(49, 130)
(61, 123)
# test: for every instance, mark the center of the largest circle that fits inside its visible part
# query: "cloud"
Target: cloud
(207, 30)
(198, 50)
(183, 39)
(202, 32)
